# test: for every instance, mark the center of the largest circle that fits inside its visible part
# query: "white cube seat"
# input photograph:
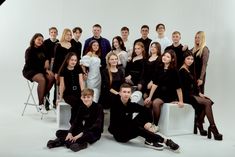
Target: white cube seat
(176, 121)
(63, 115)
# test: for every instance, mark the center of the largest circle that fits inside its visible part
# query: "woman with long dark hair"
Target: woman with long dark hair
(193, 96)
(36, 69)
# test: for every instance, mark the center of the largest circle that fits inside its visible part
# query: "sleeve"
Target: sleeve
(85, 61)
(205, 57)
(46, 49)
(105, 80)
(156, 76)
(28, 58)
(79, 69)
(127, 70)
(108, 46)
(123, 58)
(56, 67)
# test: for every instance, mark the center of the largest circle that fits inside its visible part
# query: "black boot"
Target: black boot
(214, 130)
(199, 126)
(55, 143)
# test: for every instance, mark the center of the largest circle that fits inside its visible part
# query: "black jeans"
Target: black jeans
(89, 137)
(135, 129)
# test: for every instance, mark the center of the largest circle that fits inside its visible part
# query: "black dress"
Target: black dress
(200, 65)
(72, 92)
(60, 54)
(117, 80)
(190, 90)
(135, 69)
(167, 81)
(150, 67)
(71, 81)
(34, 62)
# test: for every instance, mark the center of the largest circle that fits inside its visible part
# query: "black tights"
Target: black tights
(206, 105)
(45, 83)
(157, 106)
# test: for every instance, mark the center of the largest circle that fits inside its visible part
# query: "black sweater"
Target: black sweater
(121, 116)
(88, 120)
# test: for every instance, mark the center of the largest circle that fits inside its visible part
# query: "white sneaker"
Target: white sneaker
(42, 109)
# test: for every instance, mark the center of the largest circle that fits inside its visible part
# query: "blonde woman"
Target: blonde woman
(201, 56)
(112, 78)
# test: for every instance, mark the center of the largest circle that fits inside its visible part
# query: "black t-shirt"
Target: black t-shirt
(71, 81)
(77, 48)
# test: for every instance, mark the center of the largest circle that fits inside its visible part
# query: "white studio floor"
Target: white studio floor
(26, 136)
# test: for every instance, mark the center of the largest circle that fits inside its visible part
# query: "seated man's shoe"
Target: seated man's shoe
(78, 146)
(172, 145)
(54, 143)
(153, 145)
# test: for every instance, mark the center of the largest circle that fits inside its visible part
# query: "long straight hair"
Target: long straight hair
(198, 49)
(109, 66)
(66, 30)
(66, 62)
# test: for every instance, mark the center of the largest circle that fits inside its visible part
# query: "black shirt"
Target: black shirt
(121, 116)
(50, 48)
(88, 120)
(71, 81)
(77, 47)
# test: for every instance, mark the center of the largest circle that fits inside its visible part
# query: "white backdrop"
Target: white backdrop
(20, 19)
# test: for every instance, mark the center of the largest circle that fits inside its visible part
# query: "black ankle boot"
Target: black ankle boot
(54, 143)
(199, 126)
(214, 130)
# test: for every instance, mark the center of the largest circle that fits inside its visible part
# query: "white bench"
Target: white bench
(176, 121)
(63, 115)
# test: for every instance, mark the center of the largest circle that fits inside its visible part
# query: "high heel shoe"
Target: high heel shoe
(199, 126)
(214, 130)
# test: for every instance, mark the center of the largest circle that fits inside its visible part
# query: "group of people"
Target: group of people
(162, 71)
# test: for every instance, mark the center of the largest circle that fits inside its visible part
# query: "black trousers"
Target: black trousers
(74, 101)
(135, 129)
(89, 137)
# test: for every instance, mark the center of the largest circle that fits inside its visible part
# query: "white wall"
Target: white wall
(20, 19)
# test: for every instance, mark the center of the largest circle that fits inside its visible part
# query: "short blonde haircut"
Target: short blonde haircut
(87, 91)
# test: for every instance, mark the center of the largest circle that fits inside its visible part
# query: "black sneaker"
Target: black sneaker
(172, 145)
(153, 145)
(78, 146)
(54, 143)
